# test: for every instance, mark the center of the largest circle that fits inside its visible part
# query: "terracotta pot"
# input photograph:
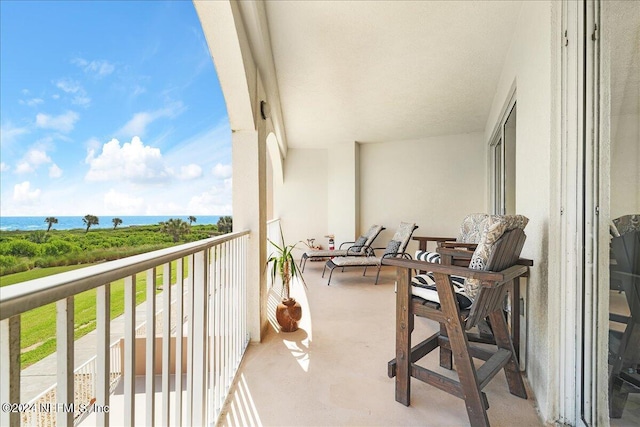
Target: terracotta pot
(288, 314)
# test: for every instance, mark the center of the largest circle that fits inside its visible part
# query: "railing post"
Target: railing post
(65, 355)
(129, 350)
(179, 327)
(200, 341)
(150, 382)
(10, 368)
(103, 371)
(190, 336)
(166, 341)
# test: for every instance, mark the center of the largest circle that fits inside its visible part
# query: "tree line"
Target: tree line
(172, 227)
(24, 250)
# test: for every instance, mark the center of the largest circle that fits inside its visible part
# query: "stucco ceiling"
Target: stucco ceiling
(387, 70)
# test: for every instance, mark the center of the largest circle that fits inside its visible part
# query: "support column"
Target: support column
(250, 213)
(343, 211)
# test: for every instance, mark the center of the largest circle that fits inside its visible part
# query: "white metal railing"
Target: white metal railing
(84, 378)
(210, 292)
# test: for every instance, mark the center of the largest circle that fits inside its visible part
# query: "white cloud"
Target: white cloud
(216, 201)
(31, 102)
(22, 193)
(63, 123)
(191, 171)
(24, 167)
(222, 171)
(32, 160)
(118, 203)
(139, 122)
(55, 171)
(69, 86)
(37, 157)
(133, 161)
(9, 133)
(74, 88)
(4, 167)
(99, 68)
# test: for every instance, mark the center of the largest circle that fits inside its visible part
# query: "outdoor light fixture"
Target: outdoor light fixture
(265, 110)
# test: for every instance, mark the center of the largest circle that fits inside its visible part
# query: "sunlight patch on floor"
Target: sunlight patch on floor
(242, 410)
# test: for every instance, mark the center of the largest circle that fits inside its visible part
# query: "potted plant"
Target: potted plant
(289, 311)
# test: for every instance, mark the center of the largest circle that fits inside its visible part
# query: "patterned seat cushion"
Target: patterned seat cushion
(327, 253)
(428, 256)
(356, 261)
(424, 286)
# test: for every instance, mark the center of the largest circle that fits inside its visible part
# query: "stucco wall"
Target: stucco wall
(343, 198)
(435, 182)
(531, 65)
(301, 200)
(625, 158)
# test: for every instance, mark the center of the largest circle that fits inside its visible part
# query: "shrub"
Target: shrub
(39, 236)
(59, 247)
(23, 248)
(8, 261)
(4, 247)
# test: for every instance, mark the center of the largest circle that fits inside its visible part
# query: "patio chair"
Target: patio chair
(395, 248)
(459, 251)
(468, 237)
(624, 346)
(494, 264)
(361, 247)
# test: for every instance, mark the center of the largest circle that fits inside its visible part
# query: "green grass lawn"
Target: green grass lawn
(38, 326)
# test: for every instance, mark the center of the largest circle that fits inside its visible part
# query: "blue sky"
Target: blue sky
(110, 108)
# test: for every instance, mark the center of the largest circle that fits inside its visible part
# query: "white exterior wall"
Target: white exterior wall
(531, 65)
(301, 199)
(625, 158)
(434, 181)
(343, 193)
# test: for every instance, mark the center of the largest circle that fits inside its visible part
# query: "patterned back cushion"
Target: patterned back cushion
(357, 246)
(392, 248)
(372, 233)
(472, 227)
(495, 227)
(403, 234)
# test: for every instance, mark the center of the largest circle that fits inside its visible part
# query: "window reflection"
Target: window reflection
(622, 38)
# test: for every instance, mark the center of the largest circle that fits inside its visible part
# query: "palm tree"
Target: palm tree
(50, 220)
(116, 222)
(176, 228)
(192, 219)
(225, 224)
(90, 220)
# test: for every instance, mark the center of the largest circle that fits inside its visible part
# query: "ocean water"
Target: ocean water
(28, 223)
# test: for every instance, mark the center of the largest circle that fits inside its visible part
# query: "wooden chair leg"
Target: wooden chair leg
(446, 356)
(404, 327)
(511, 369)
(474, 399)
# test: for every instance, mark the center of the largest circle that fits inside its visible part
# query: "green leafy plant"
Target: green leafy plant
(283, 264)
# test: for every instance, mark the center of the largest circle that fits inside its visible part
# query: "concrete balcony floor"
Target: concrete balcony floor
(333, 370)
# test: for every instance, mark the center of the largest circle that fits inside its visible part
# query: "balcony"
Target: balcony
(332, 371)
